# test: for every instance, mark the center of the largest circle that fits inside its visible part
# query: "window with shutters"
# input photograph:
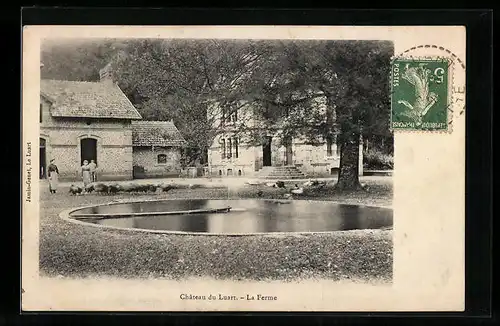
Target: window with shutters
(229, 116)
(229, 148)
(223, 116)
(234, 116)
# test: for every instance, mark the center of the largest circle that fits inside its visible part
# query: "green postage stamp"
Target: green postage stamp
(419, 97)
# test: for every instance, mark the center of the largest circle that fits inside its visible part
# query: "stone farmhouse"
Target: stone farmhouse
(232, 154)
(96, 121)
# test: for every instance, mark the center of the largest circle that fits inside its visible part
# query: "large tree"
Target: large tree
(351, 78)
(362, 103)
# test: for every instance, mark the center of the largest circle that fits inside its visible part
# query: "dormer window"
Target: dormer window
(267, 112)
(224, 115)
(229, 115)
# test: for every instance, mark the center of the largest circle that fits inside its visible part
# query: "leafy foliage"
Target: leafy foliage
(377, 160)
(77, 60)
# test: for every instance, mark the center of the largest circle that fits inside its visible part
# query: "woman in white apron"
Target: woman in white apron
(53, 175)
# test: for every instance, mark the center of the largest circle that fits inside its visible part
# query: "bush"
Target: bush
(377, 160)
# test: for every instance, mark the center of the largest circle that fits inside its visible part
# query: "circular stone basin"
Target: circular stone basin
(236, 216)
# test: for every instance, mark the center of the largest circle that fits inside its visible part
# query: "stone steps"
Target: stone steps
(282, 177)
(281, 172)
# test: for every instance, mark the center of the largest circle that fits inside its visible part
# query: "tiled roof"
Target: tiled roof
(87, 100)
(156, 133)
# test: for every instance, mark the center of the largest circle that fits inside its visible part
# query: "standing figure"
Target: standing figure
(86, 173)
(53, 174)
(93, 171)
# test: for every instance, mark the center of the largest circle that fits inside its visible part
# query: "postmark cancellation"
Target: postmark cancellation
(427, 89)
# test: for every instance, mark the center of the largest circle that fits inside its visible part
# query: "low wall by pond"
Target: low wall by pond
(233, 217)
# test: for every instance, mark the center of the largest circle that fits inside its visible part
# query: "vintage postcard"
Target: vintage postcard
(243, 168)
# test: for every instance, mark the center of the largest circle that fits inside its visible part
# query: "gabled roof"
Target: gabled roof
(156, 133)
(87, 100)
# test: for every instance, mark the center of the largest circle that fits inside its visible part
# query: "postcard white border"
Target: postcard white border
(429, 200)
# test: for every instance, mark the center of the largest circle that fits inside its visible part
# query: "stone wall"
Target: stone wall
(63, 143)
(147, 158)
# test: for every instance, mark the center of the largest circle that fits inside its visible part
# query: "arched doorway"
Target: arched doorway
(88, 150)
(43, 159)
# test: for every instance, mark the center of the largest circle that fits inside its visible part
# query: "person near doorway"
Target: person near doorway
(93, 171)
(86, 173)
(53, 174)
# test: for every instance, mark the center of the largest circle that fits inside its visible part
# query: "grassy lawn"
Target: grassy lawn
(68, 249)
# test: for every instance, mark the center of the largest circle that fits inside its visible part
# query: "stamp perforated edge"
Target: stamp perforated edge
(449, 115)
(455, 63)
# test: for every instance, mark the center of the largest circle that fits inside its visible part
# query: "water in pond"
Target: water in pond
(247, 216)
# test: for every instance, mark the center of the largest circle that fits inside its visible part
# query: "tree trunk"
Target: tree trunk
(349, 164)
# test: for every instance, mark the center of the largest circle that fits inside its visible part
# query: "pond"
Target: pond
(237, 216)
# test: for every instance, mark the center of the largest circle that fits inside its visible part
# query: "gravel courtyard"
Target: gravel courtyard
(72, 250)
